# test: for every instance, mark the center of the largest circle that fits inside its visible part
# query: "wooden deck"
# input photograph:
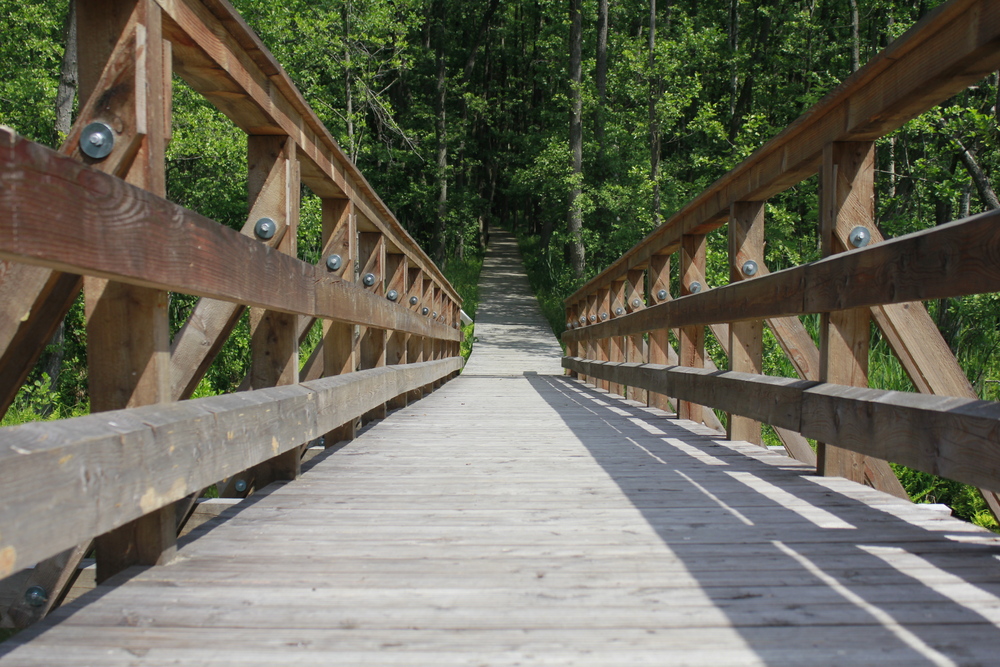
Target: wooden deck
(518, 517)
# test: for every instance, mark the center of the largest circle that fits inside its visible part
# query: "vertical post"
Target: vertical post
(604, 344)
(616, 344)
(746, 352)
(847, 199)
(395, 344)
(340, 237)
(128, 332)
(371, 257)
(428, 302)
(273, 188)
(593, 344)
(692, 339)
(573, 346)
(658, 281)
(414, 343)
(635, 351)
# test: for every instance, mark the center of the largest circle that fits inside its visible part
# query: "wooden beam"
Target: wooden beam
(692, 338)
(616, 344)
(340, 237)
(395, 343)
(157, 455)
(371, 345)
(81, 207)
(949, 260)
(636, 348)
(746, 349)
(658, 281)
(273, 189)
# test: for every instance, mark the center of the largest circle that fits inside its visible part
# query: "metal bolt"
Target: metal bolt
(694, 287)
(619, 311)
(593, 318)
(604, 316)
(265, 228)
(860, 237)
(36, 596)
(334, 262)
(636, 303)
(97, 140)
(369, 279)
(241, 485)
(750, 268)
(425, 310)
(662, 295)
(570, 325)
(583, 319)
(392, 295)
(414, 300)
(434, 315)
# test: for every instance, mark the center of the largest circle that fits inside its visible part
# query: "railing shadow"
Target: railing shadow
(796, 567)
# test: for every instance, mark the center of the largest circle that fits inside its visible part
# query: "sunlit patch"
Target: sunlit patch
(809, 512)
(732, 510)
(694, 452)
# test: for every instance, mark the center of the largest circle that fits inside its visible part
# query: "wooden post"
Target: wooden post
(746, 352)
(692, 339)
(415, 344)
(659, 339)
(635, 349)
(371, 258)
(427, 301)
(847, 199)
(616, 344)
(128, 331)
(572, 347)
(395, 345)
(340, 237)
(593, 344)
(273, 188)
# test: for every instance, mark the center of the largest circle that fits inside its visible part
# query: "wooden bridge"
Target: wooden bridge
(514, 514)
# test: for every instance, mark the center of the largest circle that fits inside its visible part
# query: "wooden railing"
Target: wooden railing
(619, 323)
(93, 216)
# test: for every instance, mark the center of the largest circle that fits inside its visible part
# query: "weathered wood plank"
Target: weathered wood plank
(746, 351)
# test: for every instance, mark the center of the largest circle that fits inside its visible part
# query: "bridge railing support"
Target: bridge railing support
(94, 217)
(863, 278)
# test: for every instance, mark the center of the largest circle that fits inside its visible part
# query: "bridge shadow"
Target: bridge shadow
(791, 564)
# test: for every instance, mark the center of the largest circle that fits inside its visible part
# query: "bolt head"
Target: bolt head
(583, 319)
(604, 316)
(241, 485)
(392, 295)
(662, 295)
(619, 310)
(593, 318)
(414, 300)
(694, 287)
(36, 596)
(369, 279)
(265, 228)
(434, 315)
(636, 303)
(334, 262)
(97, 140)
(860, 237)
(425, 310)
(750, 268)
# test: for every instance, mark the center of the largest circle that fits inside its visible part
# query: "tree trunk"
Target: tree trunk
(575, 217)
(601, 78)
(442, 137)
(979, 177)
(855, 37)
(654, 125)
(66, 92)
(345, 15)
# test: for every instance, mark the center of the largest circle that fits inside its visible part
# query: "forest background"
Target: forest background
(579, 124)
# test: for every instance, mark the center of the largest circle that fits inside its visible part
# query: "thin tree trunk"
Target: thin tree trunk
(601, 78)
(734, 46)
(979, 177)
(66, 93)
(345, 14)
(855, 37)
(654, 125)
(575, 217)
(442, 137)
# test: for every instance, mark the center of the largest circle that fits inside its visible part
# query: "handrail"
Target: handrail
(126, 475)
(619, 323)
